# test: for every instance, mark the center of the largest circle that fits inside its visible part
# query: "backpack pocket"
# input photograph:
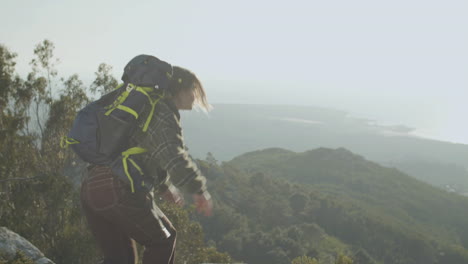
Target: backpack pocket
(126, 167)
(112, 134)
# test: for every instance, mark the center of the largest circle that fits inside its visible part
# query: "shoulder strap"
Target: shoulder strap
(117, 104)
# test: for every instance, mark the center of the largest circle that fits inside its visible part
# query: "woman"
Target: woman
(116, 216)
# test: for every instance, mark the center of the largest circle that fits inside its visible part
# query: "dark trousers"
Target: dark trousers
(117, 218)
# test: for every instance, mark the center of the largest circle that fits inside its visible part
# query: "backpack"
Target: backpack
(101, 131)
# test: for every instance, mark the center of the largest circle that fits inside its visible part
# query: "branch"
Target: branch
(17, 179)
(37, 117)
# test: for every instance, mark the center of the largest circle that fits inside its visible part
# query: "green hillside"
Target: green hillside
(337, 202)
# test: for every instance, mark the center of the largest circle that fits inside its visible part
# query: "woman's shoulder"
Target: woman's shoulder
(167, 107)
(166, 113)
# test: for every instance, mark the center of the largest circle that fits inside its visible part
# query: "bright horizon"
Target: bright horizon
(399, 62)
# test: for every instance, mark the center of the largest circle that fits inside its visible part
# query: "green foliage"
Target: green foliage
(325, 202)
(44, 63)
(7, 71)
(20, 258)
(211, 159)
(190, 245)
(37, 200)
(254, 220)
(104, 81)
(342, 259)
(298, 202)
(304, 260)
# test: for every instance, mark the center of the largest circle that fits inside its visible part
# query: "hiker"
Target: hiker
(120, 213)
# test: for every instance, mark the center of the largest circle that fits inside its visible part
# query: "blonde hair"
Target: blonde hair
(182, 80)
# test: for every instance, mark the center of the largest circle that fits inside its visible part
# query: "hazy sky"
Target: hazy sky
(400, 62)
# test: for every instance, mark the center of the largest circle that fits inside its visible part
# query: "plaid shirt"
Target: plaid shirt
(167, 160)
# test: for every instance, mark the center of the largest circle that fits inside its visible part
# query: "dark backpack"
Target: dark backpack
(102, 130)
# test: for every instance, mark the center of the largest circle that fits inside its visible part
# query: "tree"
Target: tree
(104, 81)
(304, 260)
(16, 155)
(37, 201)
(298, 202)
(61, 115)
(211, 159)
(44, 52)
(44, 66)
(7, 71)
(277, 256)
(342, 259)
(190, 246)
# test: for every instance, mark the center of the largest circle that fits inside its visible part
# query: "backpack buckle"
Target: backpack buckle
(129, 87)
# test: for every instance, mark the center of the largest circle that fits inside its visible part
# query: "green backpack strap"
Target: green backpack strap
(117, 104)
(153, 105)
(126, 158)
(66, 141)
(144, 90)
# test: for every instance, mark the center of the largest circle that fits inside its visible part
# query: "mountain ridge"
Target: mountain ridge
(380, 211)
(231, 130)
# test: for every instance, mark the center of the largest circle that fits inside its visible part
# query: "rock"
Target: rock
(75, 169)
(11, 242)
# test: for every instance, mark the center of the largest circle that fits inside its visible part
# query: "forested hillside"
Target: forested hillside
(325, 201)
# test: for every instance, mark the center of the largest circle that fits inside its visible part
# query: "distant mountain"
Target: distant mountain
(231, 130)
(451, 177)
(323, 201)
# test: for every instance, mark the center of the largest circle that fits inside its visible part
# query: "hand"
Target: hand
(203, 203)
(173, 195)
